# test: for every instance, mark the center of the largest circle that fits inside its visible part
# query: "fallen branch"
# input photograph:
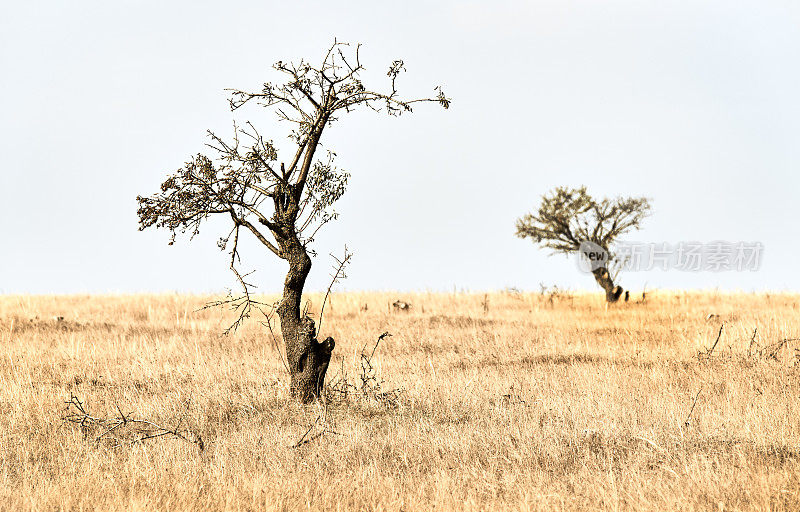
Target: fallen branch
(123, 429)
(771, 351)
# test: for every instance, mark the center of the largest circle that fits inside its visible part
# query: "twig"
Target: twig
(312, 438)
(694, 403)
(275, 344)
(752, 342)
(337, 276)
(710, 351)
(243, 304)
(322, 420)
(380, 338)
(302, 439)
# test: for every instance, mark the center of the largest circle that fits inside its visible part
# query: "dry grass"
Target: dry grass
(526, 406)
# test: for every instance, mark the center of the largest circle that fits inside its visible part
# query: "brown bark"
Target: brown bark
(613, 292)
(308, 358)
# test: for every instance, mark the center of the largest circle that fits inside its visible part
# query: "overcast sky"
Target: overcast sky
(693, 104)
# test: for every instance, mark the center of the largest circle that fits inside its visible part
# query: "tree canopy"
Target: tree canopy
(570, 220)
(569, 216)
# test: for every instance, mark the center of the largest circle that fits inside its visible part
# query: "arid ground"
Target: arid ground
(505, 401)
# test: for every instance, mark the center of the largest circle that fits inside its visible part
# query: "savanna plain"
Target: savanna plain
(500, 401)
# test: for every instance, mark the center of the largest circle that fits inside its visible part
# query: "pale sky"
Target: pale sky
(693, 104)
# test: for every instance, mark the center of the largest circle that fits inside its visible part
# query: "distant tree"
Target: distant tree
(569, 220)
(282, 204)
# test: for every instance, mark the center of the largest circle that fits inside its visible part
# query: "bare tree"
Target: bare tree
(281, 203)
(570, 220)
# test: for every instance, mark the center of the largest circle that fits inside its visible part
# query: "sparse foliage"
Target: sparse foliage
(569, 217)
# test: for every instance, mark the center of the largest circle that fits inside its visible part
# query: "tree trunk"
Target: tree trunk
(308, 359)
(603, 278)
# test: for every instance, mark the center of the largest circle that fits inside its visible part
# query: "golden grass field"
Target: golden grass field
(510, 403)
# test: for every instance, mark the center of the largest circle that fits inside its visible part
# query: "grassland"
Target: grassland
(508, 401)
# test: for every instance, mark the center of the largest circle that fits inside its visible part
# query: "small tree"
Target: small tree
(570, 220)
(281, 204)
